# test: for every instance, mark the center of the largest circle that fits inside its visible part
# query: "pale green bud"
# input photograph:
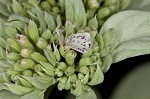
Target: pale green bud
(28, 73)
(69, 28)
(110, 2)
(85, 61)
(47, 68)
(24, 42)
(13, 56)
(55, 10)
(68, 84)
(62, 51)
(93, 34)
(62, 5)
(95, 48)
(41, 43)
(12, 72)
(84, 69)
(45, 5)
(93, 4)
(62, 83)
(88, 53)
(46, 34)
(24, 82)
(33, 31)
(38, 67)
(124, 4)
(49, 47)
(86, 78)
(103, 12)
(14, 44)
(90, 13)
(93, 23)
(52, 2)
(62, 66)
(70, 70)
(26, 53)
(18, 67)
(38, 57)
(80, 76)
(27, 63)
(73, 78)
(70, 57)
(59, 73)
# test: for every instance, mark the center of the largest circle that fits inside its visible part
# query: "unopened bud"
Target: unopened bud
(26, 53)
(42, 43)
(38, 57)
(70, 70)
(70, 57)
(85, 61)
(84, 69)
(62, 66)
(14, 44)
(13, 56)
(27, 63)
(103, 12)
(46, 34)
(28, 73)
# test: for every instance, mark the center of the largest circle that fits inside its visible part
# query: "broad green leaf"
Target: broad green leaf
(87, 95)
(132, 31)
(36, 94)
(8, 95)
(135, 85)
(143, 5)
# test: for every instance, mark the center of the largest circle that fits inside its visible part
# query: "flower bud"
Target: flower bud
(86, 78)
(41, 43)
(70, 57)
(12, 72)
(26, 52)
(103, 12)
(62, 83)
(38, 57)
(49, 47)
(62, 51)
(47, 68)
(13, 56)
(17, 67)
(84, 69)
(93, 4)
(62, 66)
(110, 2)
(59, 73)
(14, 44)
(24, 42)
(38, 67)
(90, 13)
(45, 5)
(73, 78)
(93, 23)
(56, 53)
(24, 82)
(52, 2)
(88, 53)
(80, 76)
(85, 61)
(33, 31)
(28, 73)
(46, 34)
(69, 28)
(62, 5)
(70, 70)
(55, 9)
(27, 63)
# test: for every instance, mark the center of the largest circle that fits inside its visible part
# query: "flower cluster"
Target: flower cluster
(45, 49)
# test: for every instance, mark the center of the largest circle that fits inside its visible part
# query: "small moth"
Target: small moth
(80, 42)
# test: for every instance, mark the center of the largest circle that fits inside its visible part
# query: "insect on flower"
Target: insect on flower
(80, 42)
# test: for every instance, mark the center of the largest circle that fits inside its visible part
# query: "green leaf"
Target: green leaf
(36, 94)
(69, 11)
(40, 19)
(134, 85)
(19, 17)
(79, 12)
(132, 31)
(50, 21)
(143, 5)
(8, 95)
(90, 94)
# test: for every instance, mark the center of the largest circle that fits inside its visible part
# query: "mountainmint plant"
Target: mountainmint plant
(66, 43)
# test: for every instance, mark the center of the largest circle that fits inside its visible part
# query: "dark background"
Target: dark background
(112, 77)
